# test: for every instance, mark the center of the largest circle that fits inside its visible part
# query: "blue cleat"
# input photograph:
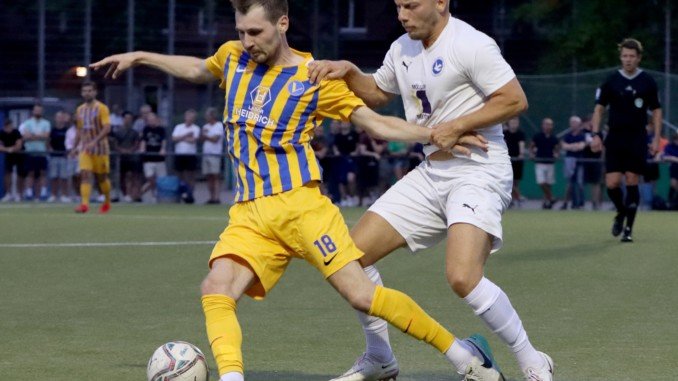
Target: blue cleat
(485, 368)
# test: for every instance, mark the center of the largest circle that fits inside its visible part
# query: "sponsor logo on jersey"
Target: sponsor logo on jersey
(240, 68)
(407, 64)
(438, 66)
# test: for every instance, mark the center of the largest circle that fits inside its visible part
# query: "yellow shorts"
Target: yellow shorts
(268, 232)
(94, 163)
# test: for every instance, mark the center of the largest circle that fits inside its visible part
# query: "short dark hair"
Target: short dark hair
(7, 122)
(89, 84)
(275, 9)
(631, 43)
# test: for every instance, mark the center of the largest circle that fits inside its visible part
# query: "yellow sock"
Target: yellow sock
(223, 332)
(405, 314)
(105, 187)
(85, 192)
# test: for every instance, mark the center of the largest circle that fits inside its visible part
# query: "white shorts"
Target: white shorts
(155, 169)
(438, 194)
(544, 173)
(211, 165)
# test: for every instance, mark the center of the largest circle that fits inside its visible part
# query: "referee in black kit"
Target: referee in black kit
(629, 93)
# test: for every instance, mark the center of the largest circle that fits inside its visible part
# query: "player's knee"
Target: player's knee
(462, 282)
(361, 301)
(213, 284)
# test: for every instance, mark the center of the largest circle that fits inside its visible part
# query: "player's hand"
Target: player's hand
(596, 144)
(117, 64)
(324, 69)
(446, 135)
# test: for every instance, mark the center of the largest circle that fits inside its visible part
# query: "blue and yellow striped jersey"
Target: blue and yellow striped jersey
(270, 113)
(90, 119)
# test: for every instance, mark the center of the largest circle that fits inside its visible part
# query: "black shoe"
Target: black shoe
(564, 206)
(618, 225)
(627, 235)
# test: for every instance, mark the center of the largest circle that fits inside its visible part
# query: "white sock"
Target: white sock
(492, 305)
(232, 376)
(460, 355)
(377, 344)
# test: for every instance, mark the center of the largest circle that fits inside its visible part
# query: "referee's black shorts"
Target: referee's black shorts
(625, 156)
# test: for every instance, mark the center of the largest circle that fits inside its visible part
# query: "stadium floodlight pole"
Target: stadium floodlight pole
(170, 79)
(129, 90)
(88, 35)
(667, 61)
(41, 49)
(211, 34)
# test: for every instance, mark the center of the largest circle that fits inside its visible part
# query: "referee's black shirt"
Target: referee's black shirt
(629, 99)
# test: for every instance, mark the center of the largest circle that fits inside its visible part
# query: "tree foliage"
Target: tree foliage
(589, 31)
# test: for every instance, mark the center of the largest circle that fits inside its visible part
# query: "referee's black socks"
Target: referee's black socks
(632, 200)
(617, 197)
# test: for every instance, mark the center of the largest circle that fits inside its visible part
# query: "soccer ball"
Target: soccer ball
(177, 361)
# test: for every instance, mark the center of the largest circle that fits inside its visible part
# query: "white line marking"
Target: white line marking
(103, 244)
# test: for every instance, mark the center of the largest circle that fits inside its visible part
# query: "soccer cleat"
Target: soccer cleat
(626, 237)
(82, 208)
(618, 224)
(485, 369)
(104, 208)
(366, 368)
(543, 374)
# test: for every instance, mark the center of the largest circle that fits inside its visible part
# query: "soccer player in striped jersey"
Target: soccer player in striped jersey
(271, 110)
(92, 120)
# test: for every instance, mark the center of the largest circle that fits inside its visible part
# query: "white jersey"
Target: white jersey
(452, 78)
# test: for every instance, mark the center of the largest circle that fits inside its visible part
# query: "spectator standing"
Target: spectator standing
(544, 151)
(59, 173)
(629, 93)
(346, 149)
(11, 144)
(370, 152)
(321, 148)
(141, 122)
(574, 143)
(212, 136)
(35, 133)
(593, 167)
(670, 155)
(153, 148)
(515, 142)
(71, 161)
(116, 119)
(185, 137)
(128, 141)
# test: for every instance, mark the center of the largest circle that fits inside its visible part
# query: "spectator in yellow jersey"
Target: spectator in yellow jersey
(91, 144)
(271, 111)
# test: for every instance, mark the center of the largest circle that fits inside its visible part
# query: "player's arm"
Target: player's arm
(657, 122)
(363, 85)
(596, 119)
(505, 103)
(103, 134)
(192, 69)
(395, 129)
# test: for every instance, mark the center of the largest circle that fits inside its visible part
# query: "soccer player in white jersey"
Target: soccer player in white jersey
(453, 79)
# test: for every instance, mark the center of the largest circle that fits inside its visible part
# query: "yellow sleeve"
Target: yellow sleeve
(215, 64)
(336, 101)
(104, 115)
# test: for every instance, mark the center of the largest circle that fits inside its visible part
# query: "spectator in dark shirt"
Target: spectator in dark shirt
(59, 171)
(593, 166)
(322, 152)
(544, 151)
(346, 149)
(515, 141)
(670, 155)
(10, 144)
(370, 151)
(128, 141)
(153, 147)
(573, 143)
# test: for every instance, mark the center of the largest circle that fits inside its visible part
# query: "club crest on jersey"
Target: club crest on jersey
(260, 96)
(638, 102)
(296, 88)
(438, 66)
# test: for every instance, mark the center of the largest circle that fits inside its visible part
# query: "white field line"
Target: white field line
(102, 244)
